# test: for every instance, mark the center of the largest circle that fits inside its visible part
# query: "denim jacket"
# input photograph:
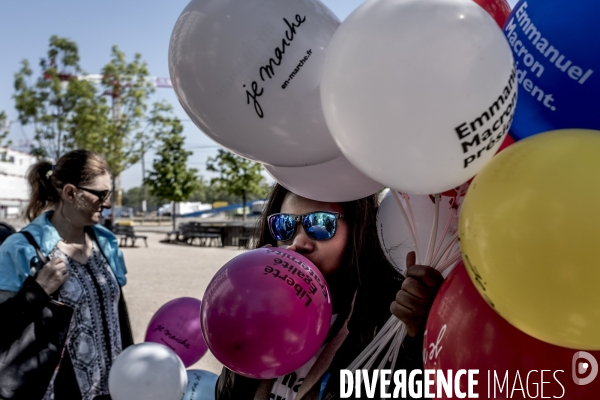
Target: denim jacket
(16, 253)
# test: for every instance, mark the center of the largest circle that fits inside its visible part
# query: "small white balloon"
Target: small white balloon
(147, 371)
(395, 234)
(247, 72)
(332, 181)
(419, 94)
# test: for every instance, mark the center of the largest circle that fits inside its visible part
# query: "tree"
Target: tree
(204, 192)
(134, 197)
(129, 89)
(57, 98)
(4, 130)
(238, 176)
(171, 180)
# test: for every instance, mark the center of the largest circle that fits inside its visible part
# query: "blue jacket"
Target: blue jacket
(16, 253)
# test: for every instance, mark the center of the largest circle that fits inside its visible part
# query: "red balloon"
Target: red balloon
(463, 332)
(266, 312)
(498, 9)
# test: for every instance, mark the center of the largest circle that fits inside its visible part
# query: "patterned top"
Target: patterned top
(94, 339)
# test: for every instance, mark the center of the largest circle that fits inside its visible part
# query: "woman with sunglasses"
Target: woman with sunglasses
(64, 319)
(341, 240)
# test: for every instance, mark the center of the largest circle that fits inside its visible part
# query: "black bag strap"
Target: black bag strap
(42, 259)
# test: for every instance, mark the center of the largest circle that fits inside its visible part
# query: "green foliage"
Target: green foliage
(237, 175)
(128, 86)
(56, 100)
(207, 193)
(171, 180)
(134, 197)
(4, 125)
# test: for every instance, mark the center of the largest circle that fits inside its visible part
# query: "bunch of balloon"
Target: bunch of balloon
(247, 72)
(556, 46)
(266, 312)
(529, 236)
(177, 325)
(147, 371)
(424, 110)
(464, 333)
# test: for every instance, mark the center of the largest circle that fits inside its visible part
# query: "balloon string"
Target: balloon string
(367, 362)
(440, 257)
(413, 226)
(451, 251)
(434, 228)
(452, 260)
(391, 348)
(399, 341)
(408, 222)
(382, 344)
(444, 233)
(369, 350)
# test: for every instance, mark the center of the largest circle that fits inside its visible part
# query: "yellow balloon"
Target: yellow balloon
(530, 236)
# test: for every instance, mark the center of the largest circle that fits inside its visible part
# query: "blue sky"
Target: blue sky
(134, 25)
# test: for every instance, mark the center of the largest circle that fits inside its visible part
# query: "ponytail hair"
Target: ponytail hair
(77, 167)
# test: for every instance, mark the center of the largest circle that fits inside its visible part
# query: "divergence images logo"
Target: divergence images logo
(580, 367)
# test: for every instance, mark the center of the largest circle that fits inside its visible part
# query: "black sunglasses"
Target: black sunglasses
(318, 225)
(101, 194)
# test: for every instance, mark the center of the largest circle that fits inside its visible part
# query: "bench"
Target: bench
(124, 232)
(245, 239)
(206, 235)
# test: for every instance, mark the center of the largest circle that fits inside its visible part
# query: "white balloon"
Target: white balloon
(419, 94)
(333, 181)
(247, 72)
(147, 371)
(395, 235)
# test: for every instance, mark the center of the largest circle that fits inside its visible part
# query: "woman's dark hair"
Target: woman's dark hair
(364, 269)
(77, 167)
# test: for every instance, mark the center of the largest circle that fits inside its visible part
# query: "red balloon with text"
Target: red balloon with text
(464, 333)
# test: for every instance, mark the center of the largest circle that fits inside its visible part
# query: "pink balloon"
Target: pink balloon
(177, 325)
(266, 312)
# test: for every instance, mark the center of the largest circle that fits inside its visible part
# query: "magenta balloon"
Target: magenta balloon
(177, 325)
(266, 312)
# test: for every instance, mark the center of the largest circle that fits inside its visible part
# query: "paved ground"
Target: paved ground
(163, 272)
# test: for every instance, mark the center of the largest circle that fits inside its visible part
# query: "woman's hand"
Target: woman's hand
(52, 275)
(418, 291)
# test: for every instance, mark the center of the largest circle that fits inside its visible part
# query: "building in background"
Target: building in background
(14, 188)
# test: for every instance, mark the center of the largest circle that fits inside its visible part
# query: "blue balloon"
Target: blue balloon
(556, 46)
(201, 385)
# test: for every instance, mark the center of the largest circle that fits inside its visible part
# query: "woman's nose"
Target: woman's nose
(302, 242)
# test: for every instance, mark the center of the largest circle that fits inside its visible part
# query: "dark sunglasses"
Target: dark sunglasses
(101, 194)
(318, 225)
